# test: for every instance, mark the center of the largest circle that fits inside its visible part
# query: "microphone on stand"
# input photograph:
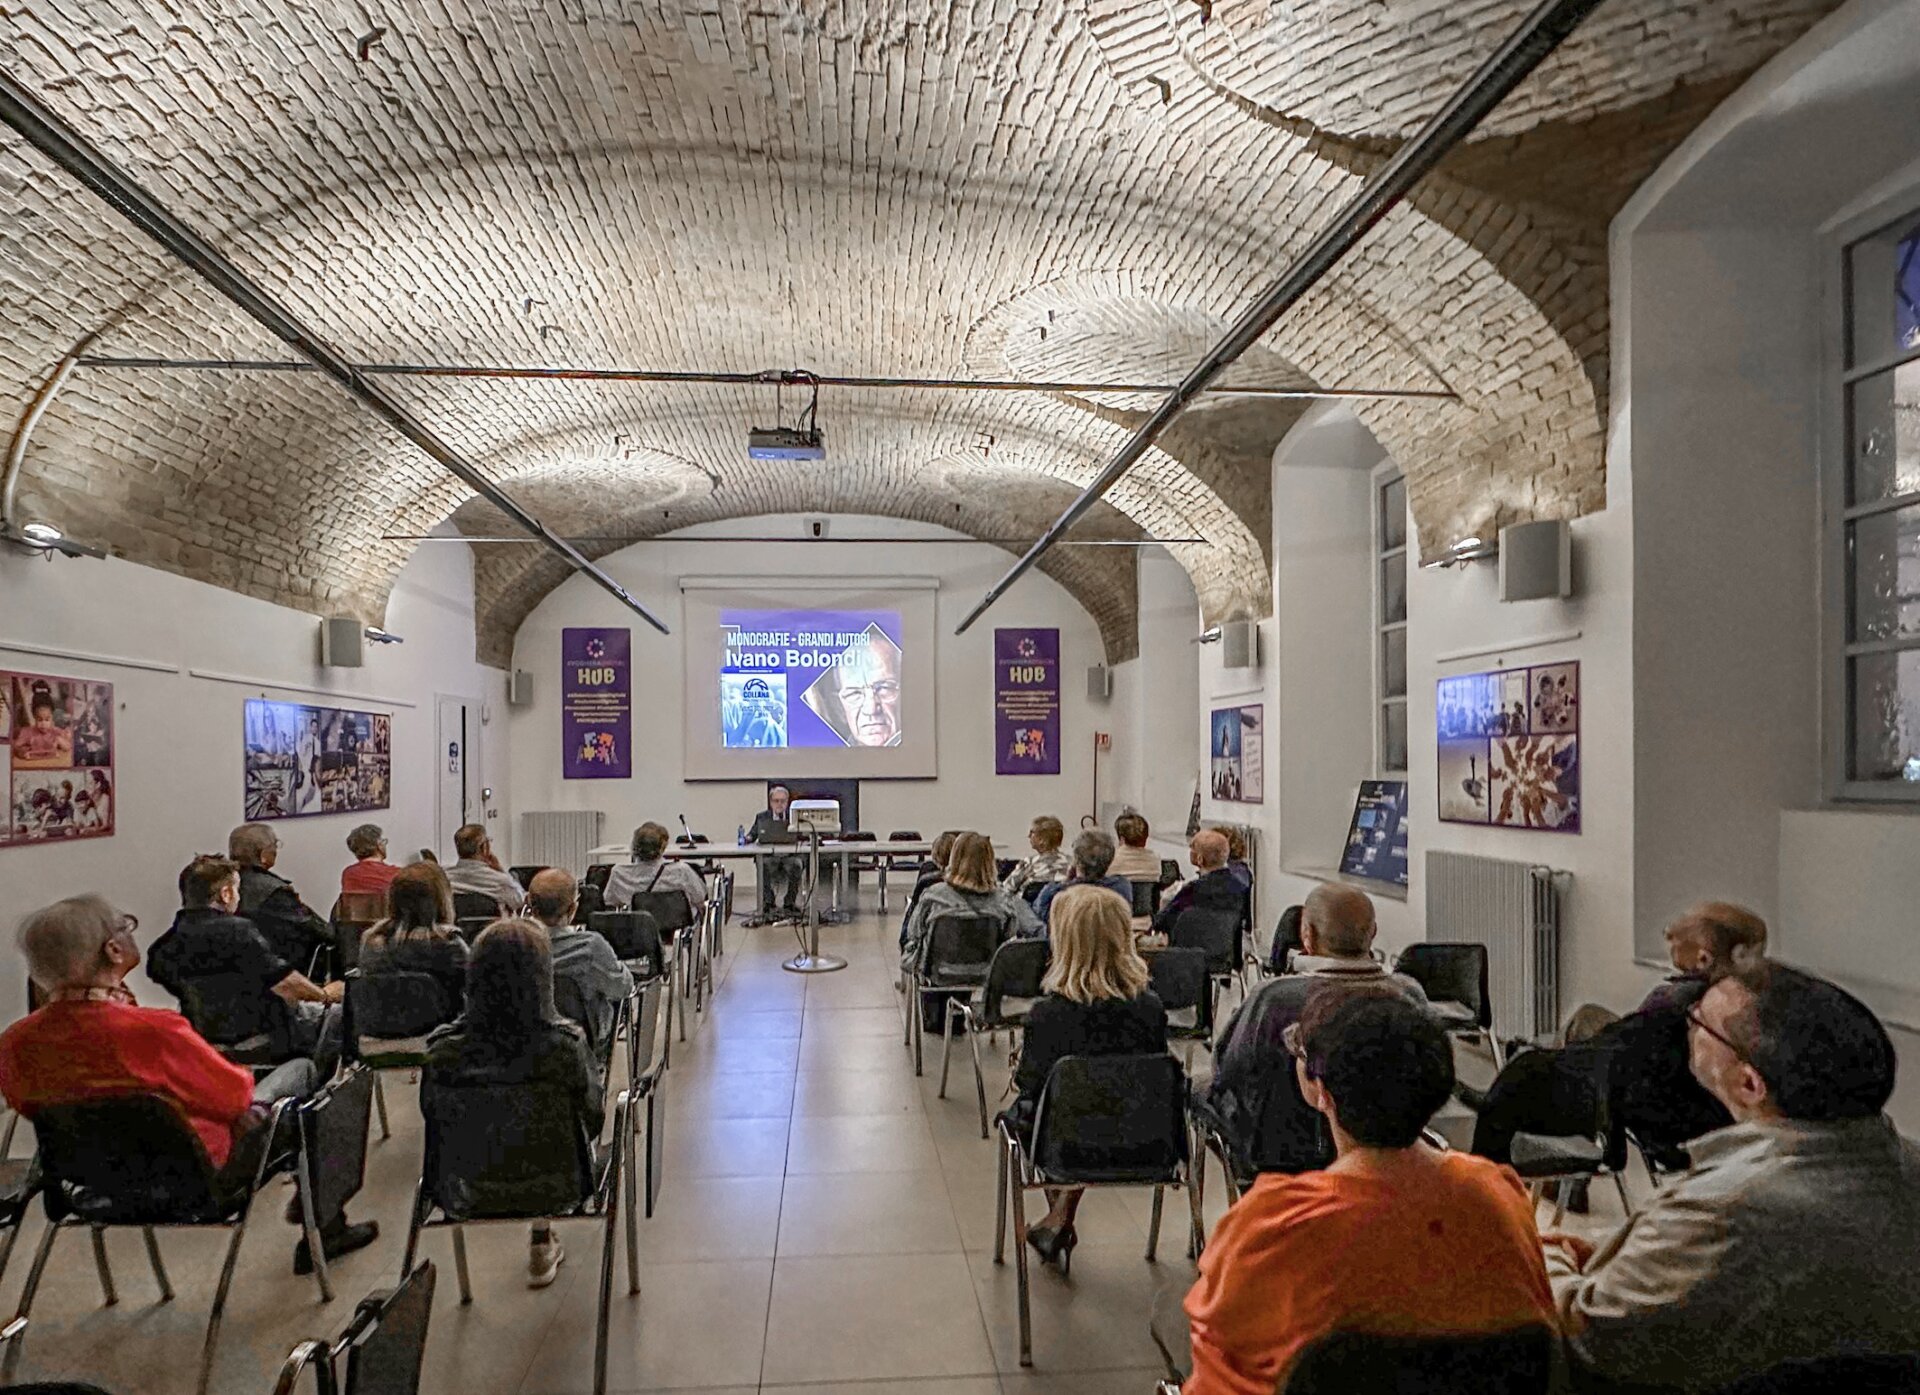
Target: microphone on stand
(686, 834)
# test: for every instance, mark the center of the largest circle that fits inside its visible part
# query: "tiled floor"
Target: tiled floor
(825, 1228)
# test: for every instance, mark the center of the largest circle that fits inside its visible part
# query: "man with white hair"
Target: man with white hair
(292, 928)
(1213, 888)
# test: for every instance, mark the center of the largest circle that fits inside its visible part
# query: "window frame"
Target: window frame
(1835, 426)
(1382, 477)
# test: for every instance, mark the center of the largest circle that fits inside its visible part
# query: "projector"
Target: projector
(786, 443)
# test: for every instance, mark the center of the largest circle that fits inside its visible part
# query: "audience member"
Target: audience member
(651, 870)
(1096, 1003)
(1237, 863)
(1213, 887)
(478, 871)
(1048, 863)
(208, 939)
(782, 872)
(1251, 1062)
(419, 935)
(294, 930)
(512, 1035)
(1395, 1237)
(582, 960)
(1131, 859)
(968, 889)
(1795, 1233)
(1640, 1059)
(932, 871)
(1092, 857)
(370, 872)
(92, 1040)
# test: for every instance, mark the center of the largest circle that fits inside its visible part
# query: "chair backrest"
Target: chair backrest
(1003, 867)
(470, 905)
(524, 875)
(598, 873)
(1519, 1362)
(669, 909)
(471, 926)
(1215, 932)
(1015, 971)
(904, 835)
(1834, 1375)
(1146, 898)
(1112, 1119)
(1179, 978)
(124, 1159)
(501, 1151)
(960, 942)
(592, 901)
(360, 907)
(1286, 939)
(396, 1004)
(1454, 973)
(860, 835)
(386, 1341)
(1030, 891)
(228, 1009)
(634, 935)
(1169, 872)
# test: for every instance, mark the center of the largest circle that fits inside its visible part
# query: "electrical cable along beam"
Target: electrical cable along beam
(66, 147)
(1539, 35)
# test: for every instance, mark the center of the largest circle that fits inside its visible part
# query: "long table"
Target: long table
(841, 850)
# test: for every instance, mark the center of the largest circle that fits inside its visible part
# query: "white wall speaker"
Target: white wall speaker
(1536, 560)
(520, 688)
(1099, 683)
(342, 642)
(1239, 644)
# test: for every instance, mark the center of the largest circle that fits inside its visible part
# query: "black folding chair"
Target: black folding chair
(953, 960)
(598, 874)
(1216, 933)
(1600, 1150)
(1103, 1121)
(1146, 899)
(524, 875)
(475, 905)
(591, 901)
(1030, 891)
(1178, 976)
(471, 927)
(1454, 978)
(693, 948)
(1286, 942)
(520, 1153)
(1519, 1362)
(1169, 872)
(134, 1160)
(237, 1018)
(1011, 989)
(903, 862)
(388, 1016)
(19, 1185)
(354, 913)
(384, 1346)
(638, 943)
(644, 1068)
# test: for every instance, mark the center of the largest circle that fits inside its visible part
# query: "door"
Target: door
(459, 771)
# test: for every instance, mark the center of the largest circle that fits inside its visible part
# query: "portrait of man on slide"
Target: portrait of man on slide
(859, 698)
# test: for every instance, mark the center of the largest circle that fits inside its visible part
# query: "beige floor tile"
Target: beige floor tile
(732, 1095)
(692, 1325)
(964, 1385)
(1097, 1320)
(874, 1317)
(871, 1053)
(868, 1213)
(724, 1148)
(709, 1218)
(837, 1022)
(861, 1143)
(823, 1091)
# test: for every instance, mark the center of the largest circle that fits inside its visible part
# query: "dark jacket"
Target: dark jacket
(1043, 903)
(556, 1055)
(290, 925)
(1218, 890)
(1059, 1027)
(443, 957)
(205, 943)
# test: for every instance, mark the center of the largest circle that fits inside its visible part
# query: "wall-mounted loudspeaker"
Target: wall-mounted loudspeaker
(1099, 683)
(520, 688)
(342, 642)
(1536, 560)
(1239, 644)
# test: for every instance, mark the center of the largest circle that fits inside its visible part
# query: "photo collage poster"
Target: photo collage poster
(1237, 750)
(303, 760)
(56, 747)
(1510, 748)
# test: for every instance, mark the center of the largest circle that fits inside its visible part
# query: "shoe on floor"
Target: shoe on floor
(543, 1262)
(336, 1240)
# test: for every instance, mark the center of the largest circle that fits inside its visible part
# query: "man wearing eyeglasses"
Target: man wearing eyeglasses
(1796, 1232)
(292, 928)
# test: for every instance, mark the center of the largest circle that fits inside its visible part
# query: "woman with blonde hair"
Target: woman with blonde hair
(969, 888)
(1097, 1003)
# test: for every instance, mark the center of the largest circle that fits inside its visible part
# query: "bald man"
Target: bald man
(1254, 1096)
(595, 980)
(1213, 887)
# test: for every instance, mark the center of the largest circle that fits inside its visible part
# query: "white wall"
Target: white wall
(1163, 700)
(966, 794)
(178, 737)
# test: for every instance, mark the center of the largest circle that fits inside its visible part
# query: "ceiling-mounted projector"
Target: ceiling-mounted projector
(786, 443)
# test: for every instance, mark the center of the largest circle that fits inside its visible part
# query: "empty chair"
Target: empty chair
(1454, 978)
(1599, 1150)
(524, 875)
(389, 1014)
(691, 945)
(475, 905)
(19, 1185)
(1178, 976)
(598, 873)
(1215, 933)
(236, 1018)
(1286, 942)
(1146, 899)
(1519, 1362)
(1012, 986)
(638, 943)
(646, 1060)
(953, 960)
(384, 1345)
(904, 862)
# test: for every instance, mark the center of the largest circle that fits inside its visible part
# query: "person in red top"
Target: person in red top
(1395, 1237)
(371, 873)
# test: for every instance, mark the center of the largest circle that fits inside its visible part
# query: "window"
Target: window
(1390, 622)
(1873, 529)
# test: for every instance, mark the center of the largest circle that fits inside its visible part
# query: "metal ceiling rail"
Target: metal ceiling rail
(768, 378)
(1538, 35)
(802, 542)
(48, 133)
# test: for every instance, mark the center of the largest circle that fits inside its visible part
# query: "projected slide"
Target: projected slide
(811, 678)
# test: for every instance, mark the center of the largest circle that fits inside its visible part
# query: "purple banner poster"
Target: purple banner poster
(1026, 702)
(596, 704)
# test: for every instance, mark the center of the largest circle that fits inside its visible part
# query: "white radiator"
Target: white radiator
(1513, 908)
(558, 838)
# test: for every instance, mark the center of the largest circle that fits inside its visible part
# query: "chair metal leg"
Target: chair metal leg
(1018, 1196)
(918, 1027)
(380, 1104)
(953, 1008)
(460, 1263)
(220, 1299)
(1559, 1204)
(18, 1326)
(633, 1221)
(100, 1263)
(1153, 1227)
(666, 1042)
(610, 1231)
(414, 1222)
(153, 1254)
(1001, 1176)
(979, 1076)
(654, 1121)
(310, 1220)
(6, 1250)
(1619, 1182)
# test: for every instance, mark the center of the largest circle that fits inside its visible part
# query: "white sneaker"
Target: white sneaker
(543, 1263)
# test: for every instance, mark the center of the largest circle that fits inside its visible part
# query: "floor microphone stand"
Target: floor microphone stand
(810, 960)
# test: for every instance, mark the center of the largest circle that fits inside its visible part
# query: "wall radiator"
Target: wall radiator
(558, 838)
(1513, 908)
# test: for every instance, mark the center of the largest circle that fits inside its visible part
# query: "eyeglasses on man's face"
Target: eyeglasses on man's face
(1695, 1019)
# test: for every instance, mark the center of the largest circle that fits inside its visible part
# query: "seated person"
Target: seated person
(1213, 887)
(370, 872)
(1237, 862)
(478, 871)
(581, 959)
(783, 870)
(932, 872)
(1131, 859)
(269, 900)
(209, 939)
(1251, 1060)
(968, 889)
(650, 870)
(1097, 1003)
(1556, 1092)
(1394, 1237)
(419, 936)
(1048, 863)
(92, 1040)
(1795, 1233)
(512, 1035)
(1092, 856)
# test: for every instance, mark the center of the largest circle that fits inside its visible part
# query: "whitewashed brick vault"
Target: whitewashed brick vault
(1059, 189)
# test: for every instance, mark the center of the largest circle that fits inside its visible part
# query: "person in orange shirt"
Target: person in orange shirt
(1395, 1237)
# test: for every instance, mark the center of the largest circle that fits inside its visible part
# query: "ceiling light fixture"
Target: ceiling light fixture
(1464, 550)
(380, 636)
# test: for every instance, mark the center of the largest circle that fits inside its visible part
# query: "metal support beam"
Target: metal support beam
(625, 539)
(1538, 35)
(43, 129)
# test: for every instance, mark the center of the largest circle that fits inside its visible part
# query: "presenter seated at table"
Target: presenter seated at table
(651, 870)
(786, 870)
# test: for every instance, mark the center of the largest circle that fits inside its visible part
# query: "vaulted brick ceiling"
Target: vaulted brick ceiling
(1054, 189)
